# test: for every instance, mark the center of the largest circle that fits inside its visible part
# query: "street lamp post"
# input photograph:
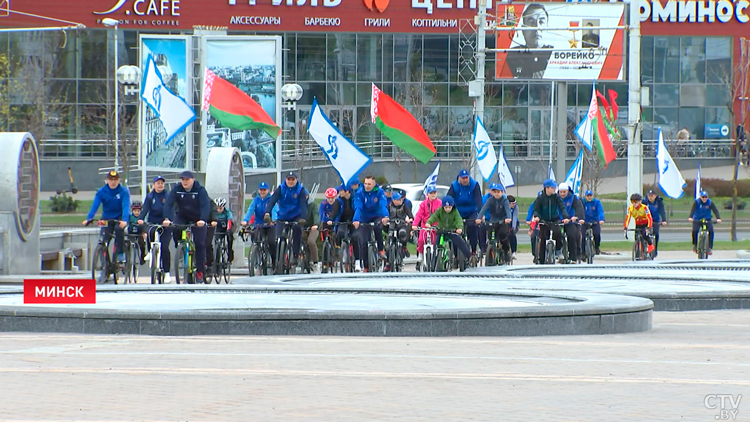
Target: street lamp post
(290, 94)
(113, 23)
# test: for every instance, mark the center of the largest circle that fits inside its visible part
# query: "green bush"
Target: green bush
(381, 180)
(63, 203)
(714, 187)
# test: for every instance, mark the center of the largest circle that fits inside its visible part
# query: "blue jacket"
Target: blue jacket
(701, 211)
(292, 202)
(325, 211)
(514, 218)
(371, 205)
(530, 214)
(153, 207)
(573, 206)
(594, 211)
(257, 208)
(658, 212)
(484, 201)
(407, 202)
(115, 203)
(468, 198)
(192, 205)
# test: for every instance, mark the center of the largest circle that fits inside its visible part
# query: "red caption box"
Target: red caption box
(59, 291)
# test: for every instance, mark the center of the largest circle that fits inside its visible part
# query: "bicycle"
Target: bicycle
(589, 248)
(478, 257)
(102, 265)
(304, 263)
(445, 258)
(283, 257)
(496, 255)
(221, 267)
(132, 258)
(184, 258)
(394, 251)
(640, 246)
(375, 264)
(428, 255)
(259, 259)
(157, 272)
(329, 254)
(549, 244)
(703, 244)
(345, 255)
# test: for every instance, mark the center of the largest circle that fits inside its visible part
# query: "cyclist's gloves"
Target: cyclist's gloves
(267, 218)
(302, 221)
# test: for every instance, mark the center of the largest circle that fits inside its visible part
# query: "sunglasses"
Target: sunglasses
(704, 196)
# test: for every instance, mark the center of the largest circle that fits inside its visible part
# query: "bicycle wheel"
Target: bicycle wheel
(135, 259)
(345, 259)
(703, 245)
(372, 258)
(179, 266)
(254, 260)
(100, 265)
(157, 275)
(589, 249)
(281, 257)
(490, 259)
(549, 253)
(226, 266)
(393, 257)
(326, 258)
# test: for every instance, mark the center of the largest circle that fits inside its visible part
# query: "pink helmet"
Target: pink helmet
(331, 193)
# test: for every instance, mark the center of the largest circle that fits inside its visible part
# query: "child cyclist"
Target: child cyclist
(223, 223)
(135, 229)
(400, 220)
(448, 218)
(426, 209)
(642, 216)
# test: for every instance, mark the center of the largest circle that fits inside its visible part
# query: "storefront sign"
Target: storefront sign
(694, 11)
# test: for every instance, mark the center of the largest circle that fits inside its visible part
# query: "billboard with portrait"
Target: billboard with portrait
(172, 57)
(252, 64)
(560, 41)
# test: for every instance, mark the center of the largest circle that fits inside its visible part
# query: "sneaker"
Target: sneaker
(650, 248)
(147, 258)
(710, 252)
(199, 278)
(598, 251)
(316, 267)
(167, 278)
(231, 255)
(513, 256)
(695, 250)
(382, 254)
(406, 252)
(357, 265)
(120, 257)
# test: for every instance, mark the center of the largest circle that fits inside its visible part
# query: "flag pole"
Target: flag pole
(635, 146)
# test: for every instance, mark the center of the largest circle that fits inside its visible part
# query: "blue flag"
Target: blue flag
(670, 178)
(573, 179)
(431, 179)
(345, 157)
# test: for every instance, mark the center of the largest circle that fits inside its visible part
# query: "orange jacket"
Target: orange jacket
(641, 214)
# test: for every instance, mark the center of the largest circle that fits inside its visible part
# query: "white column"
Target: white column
(635, 146)
(481, 56)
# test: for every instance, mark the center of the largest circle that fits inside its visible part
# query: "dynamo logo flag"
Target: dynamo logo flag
(431, 179)
(585, 129)
(575, 174)
(551, 173)
(670, 178)
(345, 157)
(503, 170)
(175, 114)
(486, 158)
(698, 187)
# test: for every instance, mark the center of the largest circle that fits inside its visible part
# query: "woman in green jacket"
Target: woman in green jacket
(448, 218)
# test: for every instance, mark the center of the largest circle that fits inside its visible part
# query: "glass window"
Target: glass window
(61, 91)
(311, 57)
(573, 92)
(435, 94)
(539, 94)
(94, 92)
(289, 55)
(693, 118)
(369, 57)
(717, 115)
(493, 122)
(459, 95)
(693, 60)
(407, 57)
(666, 95)
(515, 94)
(692, 95)
(60, 55)
(436, 58)
(666, 119)
(718, 59)
(718, 95)
(366, 130)
(342, 57)
(435, 122)
(461, 121)
(311, 90)
(341, 93)
(666, 59)
(647, 60)
(93, 121)
(93, 48)
(493, 94)
(387, 52)
(515, 123)
(364, 94)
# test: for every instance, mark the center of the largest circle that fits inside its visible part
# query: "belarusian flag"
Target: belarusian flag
(233, 108)
(602, 131)
(400, 126)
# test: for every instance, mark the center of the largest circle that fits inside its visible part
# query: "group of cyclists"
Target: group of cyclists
(464, 216)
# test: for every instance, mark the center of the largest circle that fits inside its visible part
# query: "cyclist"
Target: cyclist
(500, 214)
(593, 213)
(326, 207)
(468, 196)
(533, 227)
(370, 206)
(343, 212)
(702, 209)
(389, 196)
(256, 211)
(513, 229)
(425, 211)
(398, 210)
(447, 217)
(354, 185)
(549, 207)
(658, 213)
(135, 227)
(642, 216)
(292, 200)
(222, 222)
(312, 233)
(153, 213)
(575, 210)
(188, 203)
(114, 199)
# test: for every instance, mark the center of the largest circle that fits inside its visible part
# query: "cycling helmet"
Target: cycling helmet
(220, 202)
(136, 205)
(331, 193)
(549, 183)
(636, 197)
(448, 201)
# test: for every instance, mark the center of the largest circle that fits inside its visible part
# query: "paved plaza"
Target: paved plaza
(668, 374)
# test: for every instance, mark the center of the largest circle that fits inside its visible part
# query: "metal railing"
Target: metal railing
(84, 148)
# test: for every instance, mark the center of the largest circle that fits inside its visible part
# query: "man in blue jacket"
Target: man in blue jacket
(292, 200)
(115, 202)
(370, 206)
(594, 218)
(188, 203)
(574, 208)
(256, 211)
(468, 196)
(153, 213)
(658, 214)
(702, 209)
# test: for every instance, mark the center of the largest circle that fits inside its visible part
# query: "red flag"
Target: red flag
(603, 103)
(613, 103)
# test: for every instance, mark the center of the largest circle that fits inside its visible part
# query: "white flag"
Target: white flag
(431, 179)
(698, 187)
(345, 157)
(585, 129)
(503, 170)
(575, 174)
(175, 114)
(551, 173)
(670, 179)
(486, 158)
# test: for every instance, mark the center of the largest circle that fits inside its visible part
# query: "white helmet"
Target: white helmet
(563, 186)
(220, 202)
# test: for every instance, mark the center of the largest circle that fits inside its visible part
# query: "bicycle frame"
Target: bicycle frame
(544, 243)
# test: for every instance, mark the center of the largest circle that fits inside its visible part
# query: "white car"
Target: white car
(413, 191)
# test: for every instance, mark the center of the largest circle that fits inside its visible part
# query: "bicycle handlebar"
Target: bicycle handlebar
(102, 222)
